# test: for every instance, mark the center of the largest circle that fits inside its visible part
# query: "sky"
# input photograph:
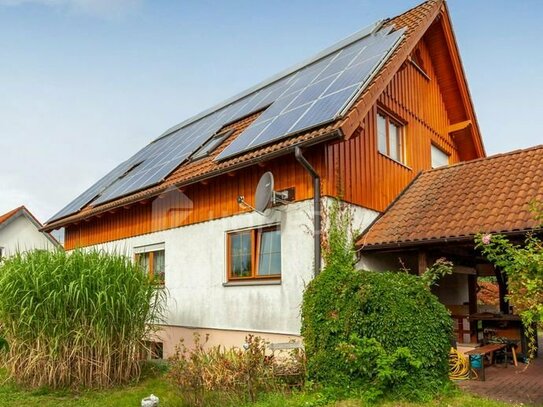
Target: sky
(84, 84)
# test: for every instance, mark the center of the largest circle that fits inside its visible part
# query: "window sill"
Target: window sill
(251, 282)
(395, 161)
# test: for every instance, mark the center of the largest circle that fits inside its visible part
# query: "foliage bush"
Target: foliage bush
(213, 375)
(370, 331)
(75, 319)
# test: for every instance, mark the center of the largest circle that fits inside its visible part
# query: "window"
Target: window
(1, 253)
(211, 145)
(390, 140)
(439, 157)
(153, 350)
(254, 254)
(152, 260)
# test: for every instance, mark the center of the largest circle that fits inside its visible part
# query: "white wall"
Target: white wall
(20, 234)
(196, 271)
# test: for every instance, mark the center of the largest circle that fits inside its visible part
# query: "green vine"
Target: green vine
(523, 265)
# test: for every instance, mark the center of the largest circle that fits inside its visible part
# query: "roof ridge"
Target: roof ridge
(487, 158)
(416, 7)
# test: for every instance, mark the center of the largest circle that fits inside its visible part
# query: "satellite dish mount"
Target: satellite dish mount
(265, 195)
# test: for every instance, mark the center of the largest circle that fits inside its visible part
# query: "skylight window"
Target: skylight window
(211, 144)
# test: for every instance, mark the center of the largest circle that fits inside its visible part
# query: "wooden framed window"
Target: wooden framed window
(254, 254)
(153, 262)
(390, 137)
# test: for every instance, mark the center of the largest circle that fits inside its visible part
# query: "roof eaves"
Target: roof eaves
(150, 193)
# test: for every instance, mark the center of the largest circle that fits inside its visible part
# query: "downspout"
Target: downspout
(316, 207)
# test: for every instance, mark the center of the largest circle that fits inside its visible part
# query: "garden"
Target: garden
(75, 329)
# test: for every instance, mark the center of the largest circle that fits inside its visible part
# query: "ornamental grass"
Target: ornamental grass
(76, 319)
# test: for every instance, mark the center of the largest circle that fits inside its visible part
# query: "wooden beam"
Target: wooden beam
(459, 126)
(464, 270)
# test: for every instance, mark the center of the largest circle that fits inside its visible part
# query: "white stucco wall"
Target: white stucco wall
(20, 234)
(195, 263)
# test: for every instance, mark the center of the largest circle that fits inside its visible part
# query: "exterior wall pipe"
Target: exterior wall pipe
(316, 207)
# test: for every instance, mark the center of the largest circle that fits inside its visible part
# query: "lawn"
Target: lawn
(11, 395)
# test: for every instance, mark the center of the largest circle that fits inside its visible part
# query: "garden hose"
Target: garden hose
(459, 367)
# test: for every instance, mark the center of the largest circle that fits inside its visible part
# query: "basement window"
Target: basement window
(154, 350)
(390, 137)
(211, 145)
(254, 254)
(1, 253)
(152, 259)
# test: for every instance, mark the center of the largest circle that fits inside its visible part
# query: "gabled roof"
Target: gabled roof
(415, 24)
(10, 216)
(487, 195)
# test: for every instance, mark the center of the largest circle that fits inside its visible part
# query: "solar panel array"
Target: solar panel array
(318, 93)
(309, 97)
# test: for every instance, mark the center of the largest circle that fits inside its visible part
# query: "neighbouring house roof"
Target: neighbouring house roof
(487, 195)
(10, 216)
(6, 216)
(414, 22)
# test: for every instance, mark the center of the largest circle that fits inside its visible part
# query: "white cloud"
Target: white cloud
(98, 8)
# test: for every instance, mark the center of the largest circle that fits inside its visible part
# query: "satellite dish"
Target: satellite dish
(264, 192)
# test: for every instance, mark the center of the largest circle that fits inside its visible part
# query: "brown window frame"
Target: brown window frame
(256, 236)
(400, 125)
(151, 262)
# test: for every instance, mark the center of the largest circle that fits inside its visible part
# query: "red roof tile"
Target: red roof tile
(488, 195)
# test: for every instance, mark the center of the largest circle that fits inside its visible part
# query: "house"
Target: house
(440, 213)
(20, 231)
(361, 119)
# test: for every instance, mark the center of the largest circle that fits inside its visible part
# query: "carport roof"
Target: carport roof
(487, 195)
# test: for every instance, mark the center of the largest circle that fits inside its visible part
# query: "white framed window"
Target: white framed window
(439, 157)
(390, 137)
(152, 259)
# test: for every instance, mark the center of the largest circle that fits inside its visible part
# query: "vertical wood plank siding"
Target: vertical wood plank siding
(352, 168)
(359, 173)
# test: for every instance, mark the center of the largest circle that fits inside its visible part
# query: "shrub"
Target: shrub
(214, 375)
(75, 319)
(371, 331)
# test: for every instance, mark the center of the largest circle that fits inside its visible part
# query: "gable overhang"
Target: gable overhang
(443, 47)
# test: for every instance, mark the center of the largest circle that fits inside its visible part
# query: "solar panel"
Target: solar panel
(92, 192)
(325, 89)
(309, 95)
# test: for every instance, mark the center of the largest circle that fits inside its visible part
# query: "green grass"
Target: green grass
(12, 395)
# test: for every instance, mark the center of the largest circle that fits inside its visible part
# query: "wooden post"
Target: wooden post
(472, 307)
(422, 262)
(502, 284)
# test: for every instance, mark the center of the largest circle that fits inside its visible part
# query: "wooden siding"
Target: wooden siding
(359, 173)
(351, 168)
